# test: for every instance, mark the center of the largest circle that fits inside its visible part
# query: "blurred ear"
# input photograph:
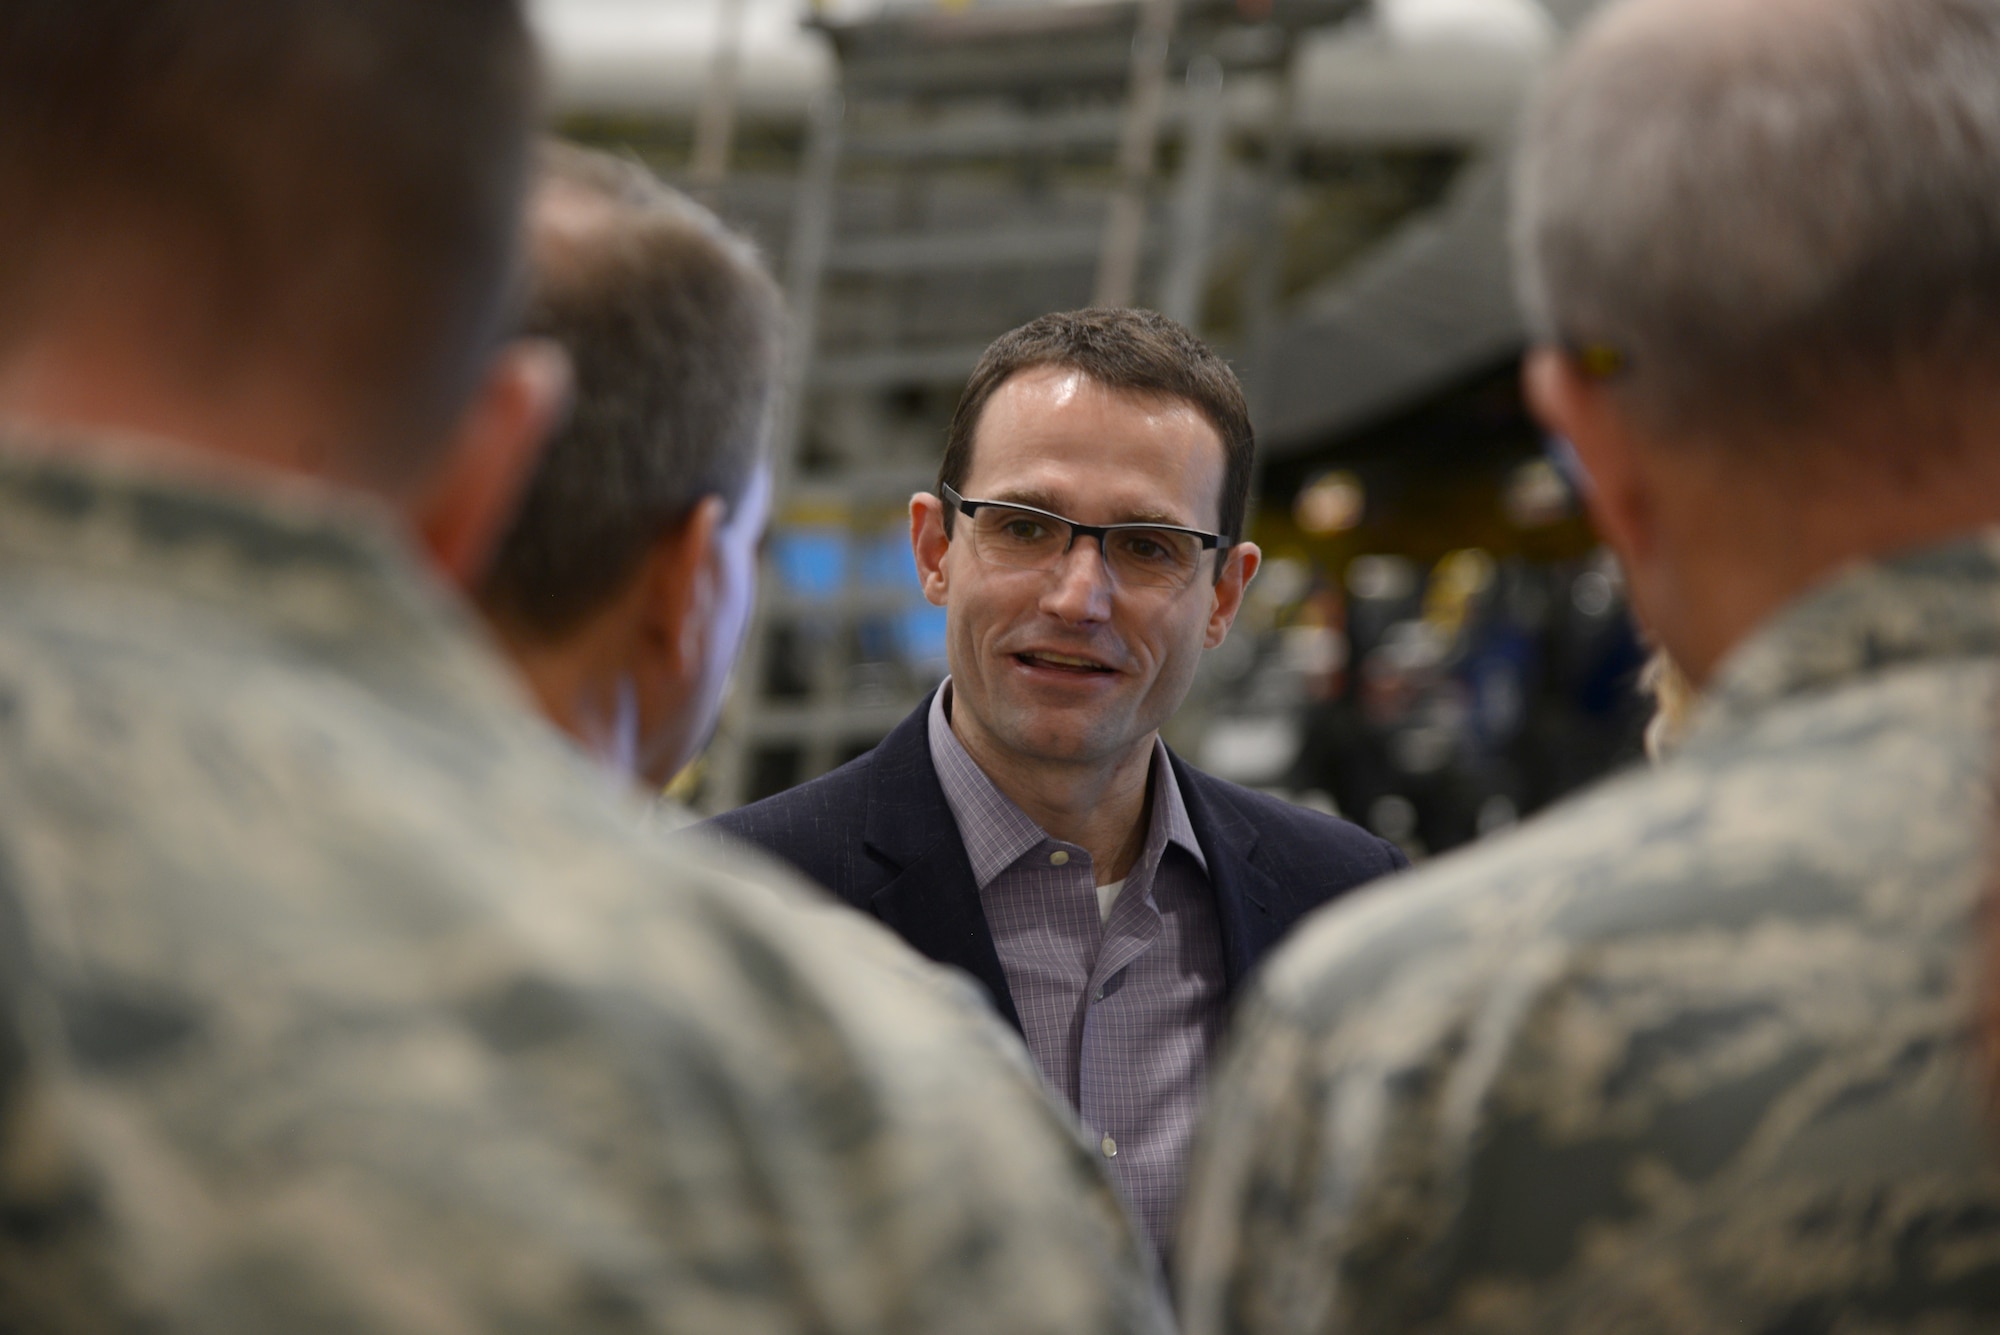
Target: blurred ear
(682, 588)
(1239, 567)
(462, 513)
(1585, 412)
(929, 544)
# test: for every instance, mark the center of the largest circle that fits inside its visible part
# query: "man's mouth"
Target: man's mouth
(1061, 662)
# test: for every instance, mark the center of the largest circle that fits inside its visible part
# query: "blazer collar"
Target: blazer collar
(1247, 900)
(929, 896)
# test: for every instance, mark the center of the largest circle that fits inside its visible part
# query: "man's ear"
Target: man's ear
(681, 588)
(929, 544)
(1583, 411)
(462, 512)
(1239, 567)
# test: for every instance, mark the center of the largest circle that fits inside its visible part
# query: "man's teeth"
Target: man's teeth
(1062, 660)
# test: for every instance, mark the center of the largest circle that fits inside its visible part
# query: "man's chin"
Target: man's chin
(1036, 735)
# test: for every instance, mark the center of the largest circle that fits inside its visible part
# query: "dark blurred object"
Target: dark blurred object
(1514, 687)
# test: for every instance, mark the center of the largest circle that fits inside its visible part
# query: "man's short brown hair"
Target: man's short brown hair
(673, 327)
(1132, 351)
(335, 182)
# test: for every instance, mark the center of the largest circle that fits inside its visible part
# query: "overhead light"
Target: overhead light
(1331, 503)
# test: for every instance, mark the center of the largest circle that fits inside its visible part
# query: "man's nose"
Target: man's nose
(1080, 585)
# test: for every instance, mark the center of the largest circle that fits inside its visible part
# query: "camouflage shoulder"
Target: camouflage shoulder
(1329, 1133)
(763, 883)
(1473, 904)
(1483, 1010)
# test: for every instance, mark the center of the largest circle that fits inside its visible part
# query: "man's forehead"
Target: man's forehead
(1049, 435)
(1059, 400)
(1061, 386)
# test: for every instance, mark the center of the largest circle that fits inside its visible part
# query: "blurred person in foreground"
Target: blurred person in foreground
(1697, 1051)
(1026, 823)
(339, 999)
(624, 585)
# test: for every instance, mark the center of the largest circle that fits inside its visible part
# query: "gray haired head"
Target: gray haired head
(1758, 213)
(673, 327)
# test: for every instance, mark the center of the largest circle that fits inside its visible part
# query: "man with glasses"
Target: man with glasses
(1026, 823)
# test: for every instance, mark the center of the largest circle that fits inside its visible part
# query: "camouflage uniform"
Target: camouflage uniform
(340, 998)
(1693, 1053)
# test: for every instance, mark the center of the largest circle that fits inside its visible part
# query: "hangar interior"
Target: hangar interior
(1436, 645)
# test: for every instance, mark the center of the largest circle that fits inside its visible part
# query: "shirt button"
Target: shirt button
(1110, 1148)
(1058, 858)
(1098, 995)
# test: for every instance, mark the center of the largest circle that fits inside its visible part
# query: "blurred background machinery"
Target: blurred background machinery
(1436, 647)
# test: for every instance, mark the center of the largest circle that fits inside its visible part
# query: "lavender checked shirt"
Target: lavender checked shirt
(1121, 1013)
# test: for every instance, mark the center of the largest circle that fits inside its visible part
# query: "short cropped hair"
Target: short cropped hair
(338, 181)
(674, 328)
(1768, 215)
(1132, 351)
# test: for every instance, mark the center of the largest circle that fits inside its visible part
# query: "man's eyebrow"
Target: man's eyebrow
(1042, 500)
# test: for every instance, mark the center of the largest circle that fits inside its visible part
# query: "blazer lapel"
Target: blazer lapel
(1246, 899)
(930, 899)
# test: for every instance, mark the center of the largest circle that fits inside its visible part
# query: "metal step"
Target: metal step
(1066, 47)
(1000, 135)
(955, 52)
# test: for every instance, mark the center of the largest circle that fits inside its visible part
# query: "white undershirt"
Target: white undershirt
(1107, 895)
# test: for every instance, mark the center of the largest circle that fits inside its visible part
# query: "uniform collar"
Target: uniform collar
(1939, 602)
(326, 570)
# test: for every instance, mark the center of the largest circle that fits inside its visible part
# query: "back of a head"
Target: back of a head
(1762, 215)
(673, 328)
(332, 186)
(1130, 350)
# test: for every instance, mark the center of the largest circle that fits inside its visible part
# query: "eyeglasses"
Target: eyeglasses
(1021, 537)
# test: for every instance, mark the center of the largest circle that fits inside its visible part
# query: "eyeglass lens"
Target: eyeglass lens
(1024, 540)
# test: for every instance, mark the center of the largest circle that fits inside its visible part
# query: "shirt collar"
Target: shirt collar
(997, 833)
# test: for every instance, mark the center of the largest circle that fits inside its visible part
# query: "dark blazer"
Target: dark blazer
(879, 834)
